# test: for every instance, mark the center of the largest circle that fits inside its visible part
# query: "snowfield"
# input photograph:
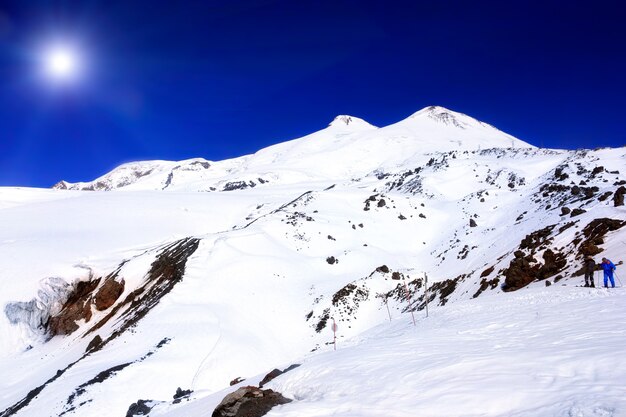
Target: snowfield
(163, 275)
(556, 352)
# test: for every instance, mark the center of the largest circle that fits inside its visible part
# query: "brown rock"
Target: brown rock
(76, 308)
(249, 402)
(553, 263)
(108, 294)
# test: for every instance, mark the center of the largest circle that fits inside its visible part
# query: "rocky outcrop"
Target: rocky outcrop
(166, 271)
(594, 234)
(618, 198)
(140, 408)
(108, 293)
(553, 262)
(520, 272)
(181, 394)
(76, 308)
(525, 269)
(249, 402)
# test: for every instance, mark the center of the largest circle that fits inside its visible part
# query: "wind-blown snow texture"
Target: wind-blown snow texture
(233, 268)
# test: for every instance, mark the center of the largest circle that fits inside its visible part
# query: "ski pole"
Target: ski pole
(619, 280)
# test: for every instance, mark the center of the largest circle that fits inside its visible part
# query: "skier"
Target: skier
(608, 267)
(589, 267)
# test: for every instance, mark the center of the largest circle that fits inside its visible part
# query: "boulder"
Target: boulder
(249, 402)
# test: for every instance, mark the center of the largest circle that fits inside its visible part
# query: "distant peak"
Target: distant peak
(446, 116)
(342, 120)
(350, 122)
(433, 112)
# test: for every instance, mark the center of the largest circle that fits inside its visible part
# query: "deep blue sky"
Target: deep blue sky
(220, 79)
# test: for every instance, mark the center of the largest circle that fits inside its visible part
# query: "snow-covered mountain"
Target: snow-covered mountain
(196, 273)
(348, 147)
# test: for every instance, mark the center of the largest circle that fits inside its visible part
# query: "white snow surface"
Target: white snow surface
(538, 352)
(263, 280)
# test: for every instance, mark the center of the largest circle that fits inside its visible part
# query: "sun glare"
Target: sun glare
(61, 63)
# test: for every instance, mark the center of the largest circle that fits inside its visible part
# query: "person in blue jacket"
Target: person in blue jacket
(608, 268)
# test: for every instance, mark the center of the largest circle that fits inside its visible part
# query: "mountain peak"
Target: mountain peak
(350, 122)
(445, 116)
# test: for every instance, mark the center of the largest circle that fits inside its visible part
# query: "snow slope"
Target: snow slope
(537, 352)
(336, 225)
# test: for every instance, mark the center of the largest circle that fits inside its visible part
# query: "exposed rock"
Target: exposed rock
(484, 285)
(519, 273)
(108, 293)
(381, 203)
(76, 308)
(567, 226)
(577, 212)
(331, 260)
(565, 211)
(270, 376)
(588, 248)
(618, 198)
(94, 345)
(240, 379)
(600, 227)
(472, 223)
(321, 324)
(553, 263)
(249, 402)
(597, 170)
(594, 234)
(487, 272)
(276, 372)
(444, 289)
(537, 238)
(140, 408)
(383, 269)
(238, 185)
(396, 275)
(180, 394)
(165, 272)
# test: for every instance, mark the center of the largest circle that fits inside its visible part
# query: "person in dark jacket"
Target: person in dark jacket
(608, 268)
(590, 266)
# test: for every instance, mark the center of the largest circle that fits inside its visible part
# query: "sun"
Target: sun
(62, 63)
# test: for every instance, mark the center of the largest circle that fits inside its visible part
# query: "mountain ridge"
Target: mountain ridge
(337, 150)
